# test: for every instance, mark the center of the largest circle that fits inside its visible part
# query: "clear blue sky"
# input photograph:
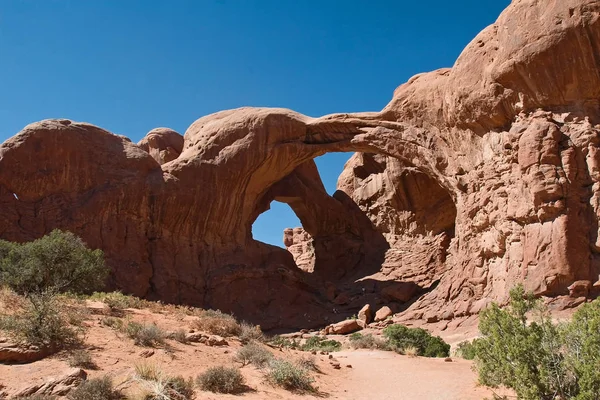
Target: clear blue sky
(133, 65)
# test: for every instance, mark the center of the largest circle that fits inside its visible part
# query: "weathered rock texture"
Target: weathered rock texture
(163, 144)
(487, 174)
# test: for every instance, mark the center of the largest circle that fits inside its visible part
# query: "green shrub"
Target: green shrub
(581, 341)
(466, 350)
(255, 354)
(317, 343)
(280, 341)
(41, 323)
(217, 323)
(222, 380)
(145, 335)
(402, 337)
(529, 358)
(117, 301)
(360, 341)
(82, 359)
(289, 376)
(57, 262)
(95, 389)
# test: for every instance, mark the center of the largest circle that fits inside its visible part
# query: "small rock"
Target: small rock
(349, 366)
(314, 353)
(195, 337)
(330, 356)
(383, 313)
(216, 340)
(448, 359)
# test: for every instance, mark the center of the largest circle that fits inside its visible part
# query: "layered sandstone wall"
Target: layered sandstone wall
(509, 135)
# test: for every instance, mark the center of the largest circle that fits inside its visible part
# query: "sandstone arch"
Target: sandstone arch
(509, 133)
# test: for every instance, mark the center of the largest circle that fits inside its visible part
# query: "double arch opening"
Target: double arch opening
(352, 234)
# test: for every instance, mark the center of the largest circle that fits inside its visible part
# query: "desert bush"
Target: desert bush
(42, 322)
(255, 354)
(537, 358)
(95, 389)
(82, 359)
(112, 322)
(118, 301)
(401, 337)
(180, 388)
(222, 380)
(217, 323)
(309, 363)
(360, 341)
(317, 343)
(57, 262)
(289, 376)
(36, 397)
(280, 341)
(249, 333)
(180, 336)
(169, 388)
(466, 349)
(148, 335)
(148, 372)
(10, 301)
(581, 346)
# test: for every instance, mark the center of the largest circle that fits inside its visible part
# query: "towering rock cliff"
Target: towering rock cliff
(471, 179)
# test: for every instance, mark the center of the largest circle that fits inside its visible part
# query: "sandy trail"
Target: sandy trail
(388, 376)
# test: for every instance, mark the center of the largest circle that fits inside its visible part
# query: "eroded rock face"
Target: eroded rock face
(487, 175)
(163, 144)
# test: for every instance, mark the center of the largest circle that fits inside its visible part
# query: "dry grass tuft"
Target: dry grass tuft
(82, 359)
(222, 380)
(410, 351)
(218, 323)
(145, 335)
(254, 354)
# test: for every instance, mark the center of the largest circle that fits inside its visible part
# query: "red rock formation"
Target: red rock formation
(163, 144)
(508, 135)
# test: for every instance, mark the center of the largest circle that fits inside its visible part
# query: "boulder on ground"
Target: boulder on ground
(13, 353)
(344, 327)
(58, 386)
(383, 313)
(366, 314)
